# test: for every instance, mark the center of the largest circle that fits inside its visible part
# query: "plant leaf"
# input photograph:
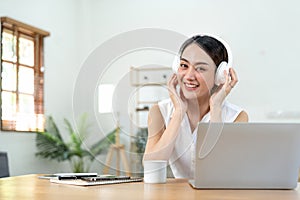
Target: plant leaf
(83, 126)
(52, 128)
(51, 147)
(103, 145)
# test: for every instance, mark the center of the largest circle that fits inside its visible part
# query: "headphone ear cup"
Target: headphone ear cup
(220, 77)
(176, 63)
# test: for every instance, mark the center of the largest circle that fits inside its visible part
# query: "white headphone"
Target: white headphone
(219, 77)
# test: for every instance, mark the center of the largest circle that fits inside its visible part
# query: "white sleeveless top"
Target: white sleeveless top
(182, 158)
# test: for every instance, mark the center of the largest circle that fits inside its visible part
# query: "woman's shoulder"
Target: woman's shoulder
(165, 105)
(232, 111)
(165, 102)
(166, 108)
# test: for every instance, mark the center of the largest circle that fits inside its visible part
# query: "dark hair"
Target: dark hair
(213, 47)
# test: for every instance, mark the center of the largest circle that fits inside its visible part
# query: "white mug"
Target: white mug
(155, 171)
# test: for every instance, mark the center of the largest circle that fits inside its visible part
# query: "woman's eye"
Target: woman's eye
(200, 69)
(183, 65)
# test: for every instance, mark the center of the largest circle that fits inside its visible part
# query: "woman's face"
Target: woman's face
(196, 73)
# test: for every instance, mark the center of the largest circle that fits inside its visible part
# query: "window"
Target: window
(22, 76)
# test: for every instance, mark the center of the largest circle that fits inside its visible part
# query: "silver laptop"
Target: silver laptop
(247, 156)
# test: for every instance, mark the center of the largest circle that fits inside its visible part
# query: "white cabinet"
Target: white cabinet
(149, 86)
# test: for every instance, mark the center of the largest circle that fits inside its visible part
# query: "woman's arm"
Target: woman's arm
(161, 139)
(218, 97)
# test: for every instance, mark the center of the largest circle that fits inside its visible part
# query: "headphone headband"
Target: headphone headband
(226, 45)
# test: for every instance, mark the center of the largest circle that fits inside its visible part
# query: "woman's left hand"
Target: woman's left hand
(218, 97)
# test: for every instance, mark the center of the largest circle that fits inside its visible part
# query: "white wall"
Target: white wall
(262, 35)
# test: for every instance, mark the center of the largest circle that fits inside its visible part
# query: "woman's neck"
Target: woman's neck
(197, 109)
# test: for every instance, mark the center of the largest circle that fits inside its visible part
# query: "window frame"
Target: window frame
(19, 28)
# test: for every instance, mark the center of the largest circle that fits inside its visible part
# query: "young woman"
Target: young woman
(172, 123)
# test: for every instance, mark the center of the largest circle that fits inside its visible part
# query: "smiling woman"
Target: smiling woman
(172, 123)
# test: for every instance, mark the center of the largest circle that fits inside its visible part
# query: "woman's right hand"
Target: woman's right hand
(179, 101)
(161, 137)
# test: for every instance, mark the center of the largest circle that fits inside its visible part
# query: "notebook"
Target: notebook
(81, 182)
(68, 175)
(247, 156)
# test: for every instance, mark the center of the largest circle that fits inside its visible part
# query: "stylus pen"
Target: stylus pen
(66, 177)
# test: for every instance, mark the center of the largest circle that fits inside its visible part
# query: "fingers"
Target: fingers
(231, 80)
(172, 83)
(233, 76)
(182, 95)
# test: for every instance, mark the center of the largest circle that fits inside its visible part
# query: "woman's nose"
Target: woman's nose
(190, 73)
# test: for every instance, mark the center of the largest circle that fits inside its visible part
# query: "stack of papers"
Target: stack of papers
(81, 182)
(87, 179)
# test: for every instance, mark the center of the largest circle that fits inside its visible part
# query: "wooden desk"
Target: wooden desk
(30, 187)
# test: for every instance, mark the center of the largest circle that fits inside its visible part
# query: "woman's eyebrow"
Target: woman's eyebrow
(185, 60)
(197, 63)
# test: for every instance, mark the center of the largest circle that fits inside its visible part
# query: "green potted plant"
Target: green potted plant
(138, 147)
(141, 140)
(51, 145)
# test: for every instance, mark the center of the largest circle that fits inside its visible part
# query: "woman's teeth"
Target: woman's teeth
(191, 85)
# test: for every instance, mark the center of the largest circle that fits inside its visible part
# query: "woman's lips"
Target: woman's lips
(191, 86)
